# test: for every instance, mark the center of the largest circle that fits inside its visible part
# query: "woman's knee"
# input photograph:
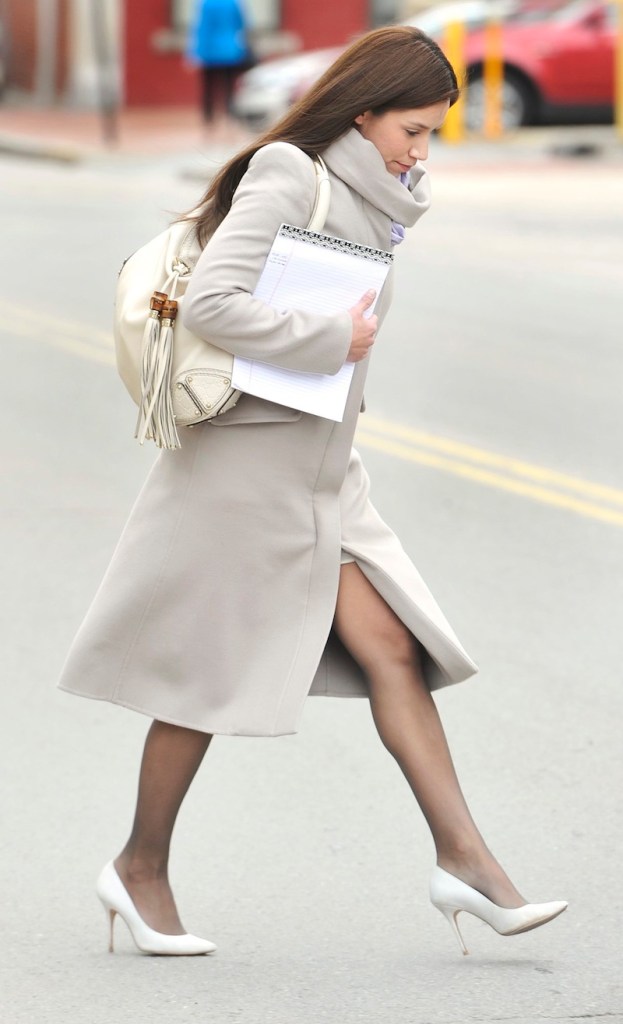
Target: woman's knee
(391, 646)
(369, 629)
(384, 645)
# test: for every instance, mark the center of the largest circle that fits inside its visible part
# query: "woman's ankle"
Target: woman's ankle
(137, 867)
(482, 872)
(147, 884)
(465, 852)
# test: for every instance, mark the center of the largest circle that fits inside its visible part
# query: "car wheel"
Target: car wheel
(518, 103)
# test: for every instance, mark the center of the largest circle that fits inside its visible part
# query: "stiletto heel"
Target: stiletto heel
(116, 900)
(111, 925)
(451, 916)
(451, 896)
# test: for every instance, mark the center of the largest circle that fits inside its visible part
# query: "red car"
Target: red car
(559, 64)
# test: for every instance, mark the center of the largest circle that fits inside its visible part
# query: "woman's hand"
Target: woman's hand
(364, 328)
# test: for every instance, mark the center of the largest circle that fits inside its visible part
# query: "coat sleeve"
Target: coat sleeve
(278, 187)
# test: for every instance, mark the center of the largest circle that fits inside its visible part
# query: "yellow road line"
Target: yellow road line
(78, 339)
(491, 469)
(540, 474)
(489, 478)
(75, 346)
(41, 322)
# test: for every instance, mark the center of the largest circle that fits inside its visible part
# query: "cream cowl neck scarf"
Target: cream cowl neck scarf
(358, 162)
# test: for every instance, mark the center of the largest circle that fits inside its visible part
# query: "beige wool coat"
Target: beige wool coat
(217, 607)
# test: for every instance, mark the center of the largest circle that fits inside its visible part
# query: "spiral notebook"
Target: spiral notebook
(312, 272)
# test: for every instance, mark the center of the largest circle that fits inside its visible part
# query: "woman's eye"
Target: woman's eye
(412, 133)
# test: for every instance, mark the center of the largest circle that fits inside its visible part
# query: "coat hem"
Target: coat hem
(176, 721)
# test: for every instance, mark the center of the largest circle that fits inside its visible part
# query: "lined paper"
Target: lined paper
(315, 273)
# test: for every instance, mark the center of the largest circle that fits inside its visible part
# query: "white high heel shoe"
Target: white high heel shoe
(116, 900)
(450, 895)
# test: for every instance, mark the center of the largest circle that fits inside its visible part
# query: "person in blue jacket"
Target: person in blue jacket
(218, 43)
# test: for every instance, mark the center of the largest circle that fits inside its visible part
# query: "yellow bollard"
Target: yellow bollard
(618, 84)
(453, 129)
(493, 80)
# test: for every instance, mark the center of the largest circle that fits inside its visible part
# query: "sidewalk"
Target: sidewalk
(70, 136)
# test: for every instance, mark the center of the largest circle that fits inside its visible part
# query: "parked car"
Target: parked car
(265, 92)
(559, 65)
(472, 14)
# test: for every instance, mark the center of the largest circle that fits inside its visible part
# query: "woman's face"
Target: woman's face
(402, 136)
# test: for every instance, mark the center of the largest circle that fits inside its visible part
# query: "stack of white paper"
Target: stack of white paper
(317, 273)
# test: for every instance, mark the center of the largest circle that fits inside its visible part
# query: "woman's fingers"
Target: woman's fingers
(365, 302)
(364, 328)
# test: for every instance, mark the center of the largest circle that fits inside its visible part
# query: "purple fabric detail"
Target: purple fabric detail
(398, 231)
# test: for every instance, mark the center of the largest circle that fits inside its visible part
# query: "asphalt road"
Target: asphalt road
(493, 437)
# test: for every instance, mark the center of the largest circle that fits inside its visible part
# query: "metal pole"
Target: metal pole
(493, 80)
(47, 41)
(107, 93)
(454, 48)
(618, 87)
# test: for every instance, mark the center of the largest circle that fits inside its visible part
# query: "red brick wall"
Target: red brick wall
(155, 78)
(21, 32)
(324, 22)
(20, 26)
(152, 77)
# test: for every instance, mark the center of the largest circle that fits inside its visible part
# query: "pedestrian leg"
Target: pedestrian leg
(208, 86)
(408, 723)
(171, 758)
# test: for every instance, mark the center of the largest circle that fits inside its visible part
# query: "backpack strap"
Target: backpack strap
(323, 196)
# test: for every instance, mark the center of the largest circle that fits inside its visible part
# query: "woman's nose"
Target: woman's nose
(419, 149)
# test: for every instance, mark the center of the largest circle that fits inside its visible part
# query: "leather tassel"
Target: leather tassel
(149, 356)
(159, 424)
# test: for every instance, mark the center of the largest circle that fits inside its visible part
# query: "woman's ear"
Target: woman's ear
(360, 118)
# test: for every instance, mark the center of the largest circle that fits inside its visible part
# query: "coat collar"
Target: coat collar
(358, 163)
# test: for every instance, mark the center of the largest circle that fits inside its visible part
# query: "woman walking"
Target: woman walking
(253, 569)
(218, 43)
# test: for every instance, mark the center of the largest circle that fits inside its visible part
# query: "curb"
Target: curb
(582, 143)
(28, 148)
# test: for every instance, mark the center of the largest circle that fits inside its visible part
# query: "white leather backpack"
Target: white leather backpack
(175, 377)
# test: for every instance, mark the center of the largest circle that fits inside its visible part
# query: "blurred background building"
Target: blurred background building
(527, 62)
(71, 50)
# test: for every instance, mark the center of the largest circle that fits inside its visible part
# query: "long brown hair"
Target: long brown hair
(396, 68)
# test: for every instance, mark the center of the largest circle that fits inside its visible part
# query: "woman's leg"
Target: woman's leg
(171, 758)
(207, 93)
(409, 725)
(229, 81)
